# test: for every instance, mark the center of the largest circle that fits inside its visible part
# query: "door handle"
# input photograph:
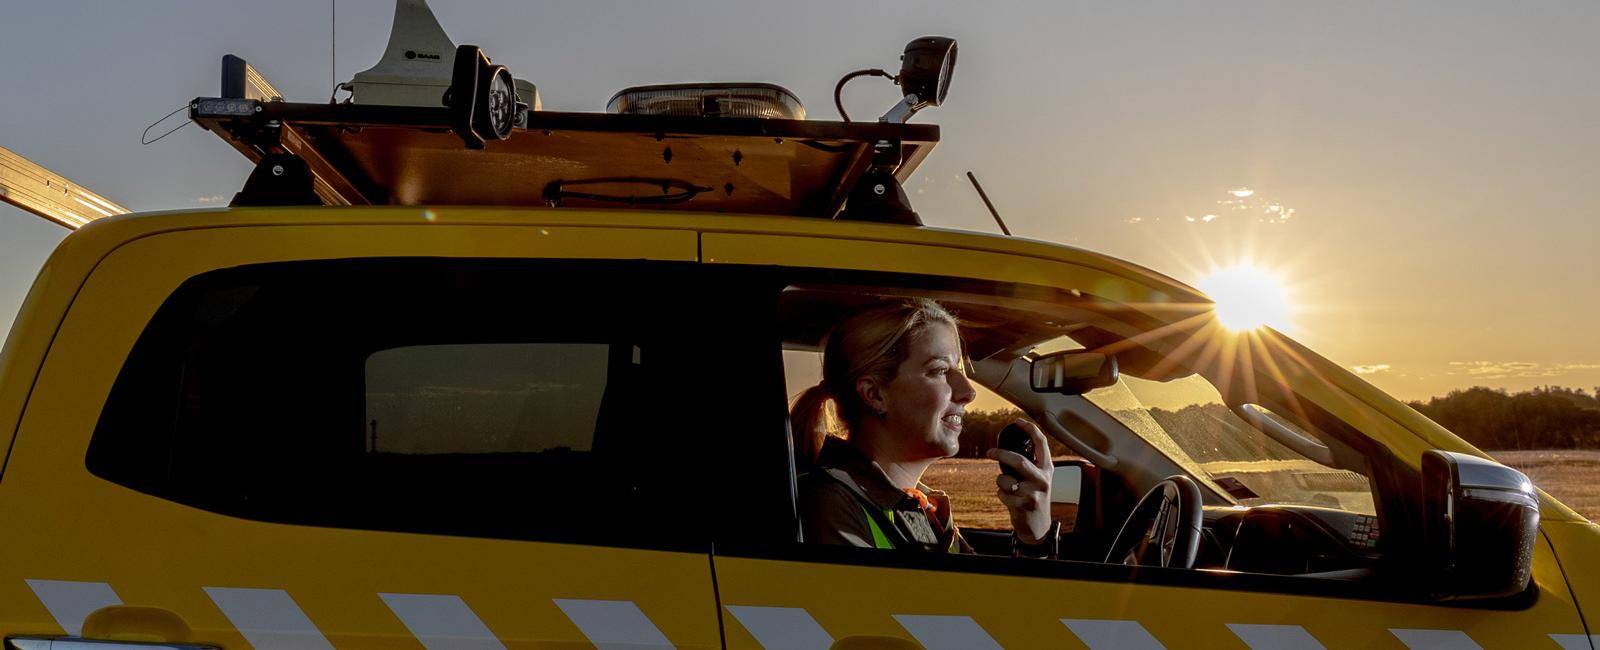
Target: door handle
(74, 643)
(873, 642)
(118, 627)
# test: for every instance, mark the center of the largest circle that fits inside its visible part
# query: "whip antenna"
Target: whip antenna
(985, 196)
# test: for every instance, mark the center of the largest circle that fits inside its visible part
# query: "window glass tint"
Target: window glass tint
(514, 399)
(1189, 422)
(482, 399)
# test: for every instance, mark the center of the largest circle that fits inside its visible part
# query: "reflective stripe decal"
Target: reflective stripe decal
(271, 620)
(782, 628)
(613, 624)
(70, 602)
(1435, 639)
(1112, 635)
(442, 622)
(1263, 637)
(268, 618)
(1576, 641)
(947, 632)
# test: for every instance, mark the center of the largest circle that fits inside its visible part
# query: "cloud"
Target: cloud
(1371, 369)
(1509, 369)
(1237, 203)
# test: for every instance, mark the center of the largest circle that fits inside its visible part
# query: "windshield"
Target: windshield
(1187, 420)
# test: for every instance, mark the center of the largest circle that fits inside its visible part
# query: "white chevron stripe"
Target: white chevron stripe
(782, 628)
(442, 622)
(1435, 639)
(613, 624)
(70, 602)
(268, 618)
(1112, 635)
(1275, 637)
(947, 632)
(1576, 641)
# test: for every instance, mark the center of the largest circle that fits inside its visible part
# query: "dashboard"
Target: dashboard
(1288, 540)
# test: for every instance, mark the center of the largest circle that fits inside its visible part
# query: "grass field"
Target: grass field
(972, 491)
(1572, 476)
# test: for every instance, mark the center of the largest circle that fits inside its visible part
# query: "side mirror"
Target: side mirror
(1073, 372)
(1075, 496)
(1066, 490)
(1480, 520)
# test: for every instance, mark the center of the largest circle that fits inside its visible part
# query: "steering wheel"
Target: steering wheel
(1164, 529)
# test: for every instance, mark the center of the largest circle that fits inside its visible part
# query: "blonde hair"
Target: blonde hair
(870, 342)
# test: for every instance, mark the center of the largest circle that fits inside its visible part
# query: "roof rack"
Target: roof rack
(362, 154)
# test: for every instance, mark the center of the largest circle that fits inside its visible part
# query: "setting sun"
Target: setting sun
(1247, 297)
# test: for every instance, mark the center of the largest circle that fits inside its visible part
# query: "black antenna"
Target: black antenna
(985, 196)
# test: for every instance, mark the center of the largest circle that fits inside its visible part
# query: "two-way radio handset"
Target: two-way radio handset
(1016, 439)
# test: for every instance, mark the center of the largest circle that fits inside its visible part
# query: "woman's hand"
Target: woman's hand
(1027, 499)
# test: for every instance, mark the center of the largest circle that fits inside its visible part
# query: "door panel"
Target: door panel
(236, 582)
(233, 581)
(772, 599)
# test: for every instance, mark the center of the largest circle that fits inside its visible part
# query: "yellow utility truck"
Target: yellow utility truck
(453, 371)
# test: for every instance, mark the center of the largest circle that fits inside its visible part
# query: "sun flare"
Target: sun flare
(1248, 297)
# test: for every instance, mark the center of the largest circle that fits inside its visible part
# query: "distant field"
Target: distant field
(1573, 476)
(971, 487)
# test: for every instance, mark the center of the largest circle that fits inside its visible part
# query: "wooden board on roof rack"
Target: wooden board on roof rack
(407, 156)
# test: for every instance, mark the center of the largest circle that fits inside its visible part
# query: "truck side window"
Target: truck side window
(519, 400)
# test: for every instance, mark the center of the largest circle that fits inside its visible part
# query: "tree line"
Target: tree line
(1547, 417)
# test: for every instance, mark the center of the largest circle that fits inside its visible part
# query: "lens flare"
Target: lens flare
(1247, 297)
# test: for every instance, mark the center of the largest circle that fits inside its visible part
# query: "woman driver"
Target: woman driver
(894, 372)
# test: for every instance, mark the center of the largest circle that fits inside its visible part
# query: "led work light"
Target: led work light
(482, 98)
(925, 70)
(924, 79)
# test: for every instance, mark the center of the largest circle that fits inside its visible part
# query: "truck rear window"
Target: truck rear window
(525, 400)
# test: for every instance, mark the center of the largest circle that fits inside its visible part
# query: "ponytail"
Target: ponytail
(810, 423)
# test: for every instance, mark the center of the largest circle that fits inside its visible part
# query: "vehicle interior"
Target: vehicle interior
(1155, 468)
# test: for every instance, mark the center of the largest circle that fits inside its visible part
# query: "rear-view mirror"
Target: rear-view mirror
(1073, 372)
(1480, 520)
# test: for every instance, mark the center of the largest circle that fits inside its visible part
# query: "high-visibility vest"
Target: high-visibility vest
(879, 540)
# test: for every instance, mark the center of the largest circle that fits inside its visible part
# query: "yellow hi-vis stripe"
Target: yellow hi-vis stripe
(879, 540)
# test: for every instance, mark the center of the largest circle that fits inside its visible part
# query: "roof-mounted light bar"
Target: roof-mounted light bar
(760, 100)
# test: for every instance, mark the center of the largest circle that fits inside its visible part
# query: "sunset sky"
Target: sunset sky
(1424, 179)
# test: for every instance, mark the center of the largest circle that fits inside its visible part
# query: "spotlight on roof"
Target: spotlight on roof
(482, 97)
(925, 70)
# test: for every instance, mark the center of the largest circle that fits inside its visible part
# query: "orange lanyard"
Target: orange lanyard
(928, 508)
